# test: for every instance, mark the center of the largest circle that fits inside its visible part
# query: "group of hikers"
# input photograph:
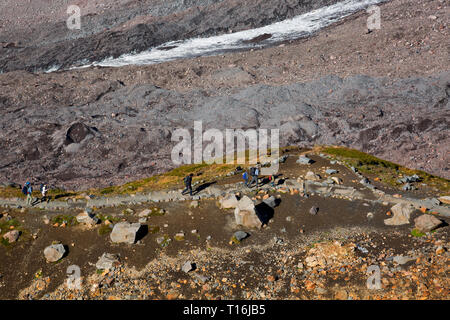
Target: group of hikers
(28, 191)
(253, 173)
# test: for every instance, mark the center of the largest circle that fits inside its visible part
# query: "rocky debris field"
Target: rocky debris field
(234, 242)
(126, 131)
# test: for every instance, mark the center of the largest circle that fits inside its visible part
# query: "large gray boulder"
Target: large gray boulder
(401, 214)
(125, 232)
(54, 252)
(427, 223)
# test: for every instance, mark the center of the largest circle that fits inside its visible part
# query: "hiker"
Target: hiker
(44, 190)
(254, 172)
(188, 184)
(245, 177)
(28, 190)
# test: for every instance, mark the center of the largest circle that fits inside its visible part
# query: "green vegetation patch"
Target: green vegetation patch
(387, 171)
(67, 219)
(417, 233)
(104, 229)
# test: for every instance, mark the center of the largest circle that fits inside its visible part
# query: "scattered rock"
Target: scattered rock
(229, 202)
(188, 266)
(304, 160)
(54, 252)
(312, 176)
(125, 232)
(87, 218)
(401, 214)
(240, 235)
(107, 261)
(314, 210)
(426, 223)
(402, 259)
(12, 236)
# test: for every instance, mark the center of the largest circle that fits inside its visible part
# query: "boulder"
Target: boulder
(54, 252)
(11, 236)
(87, 218)
(312, 176)
(245, 213)
(313, 210)
(401, 214)
(107, 261)
(125, 232)
(427, 223)
(271, 201)
(445, 199)
(229, 202)
(304, 160)
(145, 213)
(240, 235)
(188, 266)
(331, 171)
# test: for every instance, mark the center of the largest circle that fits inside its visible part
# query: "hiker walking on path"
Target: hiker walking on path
(28, 190)
(245, 177)
(44, 190)
(188, 184)
(254, 173)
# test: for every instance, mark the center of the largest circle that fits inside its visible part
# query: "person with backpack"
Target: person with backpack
(245, 177)
(188, 184)
(28, 191)
(254, 173)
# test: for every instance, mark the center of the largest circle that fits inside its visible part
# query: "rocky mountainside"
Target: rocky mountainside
(385, 92)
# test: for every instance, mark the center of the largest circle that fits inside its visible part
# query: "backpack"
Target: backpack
(252, 171)
(41, 187)
(24, 190)
(245, 176)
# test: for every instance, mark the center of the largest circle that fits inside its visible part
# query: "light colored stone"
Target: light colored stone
(54, 252)
(87, 218)
(427, 223)
(107, 261)
(401, 214)
(312, 176)
(187, 266)
(245, 214)
(11, 236)
(444, 199)
(229, 202)
(125, 232)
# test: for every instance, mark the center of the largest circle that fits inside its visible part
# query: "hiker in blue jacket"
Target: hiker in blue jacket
(245, 177)
(28, 191)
